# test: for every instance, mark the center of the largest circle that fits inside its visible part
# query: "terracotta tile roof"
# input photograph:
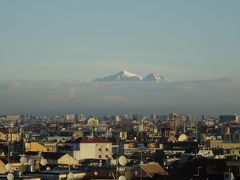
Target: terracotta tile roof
(94, 140)
(5, 160)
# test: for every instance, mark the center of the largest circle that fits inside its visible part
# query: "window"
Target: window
(99, 156)
(106, 149)
(106, 156)
(99, 149)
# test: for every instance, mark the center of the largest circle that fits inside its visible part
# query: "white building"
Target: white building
(92, 121)
(94, 148)
(13, 117)
(123, 135)
(70, 117)
(117, 119)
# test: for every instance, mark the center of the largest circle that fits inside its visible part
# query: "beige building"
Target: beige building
(67, 160)
(52, 158)
(92, 121)
(233, 152)
(41, 147)
(94, 148)
(60, 159)
(220, 144)
(10, 134)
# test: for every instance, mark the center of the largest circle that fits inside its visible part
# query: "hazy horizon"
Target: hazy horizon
(107, 98)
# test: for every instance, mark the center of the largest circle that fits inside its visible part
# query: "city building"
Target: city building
(228, 118)
(41, 147)
(94, 148)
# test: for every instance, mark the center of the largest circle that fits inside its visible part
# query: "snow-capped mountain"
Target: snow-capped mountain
(155, 77)
(122, 76)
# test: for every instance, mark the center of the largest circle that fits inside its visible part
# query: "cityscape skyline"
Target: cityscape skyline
(123, 90)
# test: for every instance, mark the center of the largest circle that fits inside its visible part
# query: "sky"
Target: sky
(50, 51)
(84, 40)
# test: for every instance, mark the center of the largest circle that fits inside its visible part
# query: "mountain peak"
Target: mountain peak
(127, 73)
(124, 71)
(155, 77)
(123, 75)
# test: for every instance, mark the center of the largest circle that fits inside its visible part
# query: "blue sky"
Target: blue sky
(82, 40)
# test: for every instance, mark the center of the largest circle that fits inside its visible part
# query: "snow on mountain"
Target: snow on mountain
(155, 77)
(121, 76)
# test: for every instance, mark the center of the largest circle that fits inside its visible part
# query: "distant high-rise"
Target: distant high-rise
(228, 118)
(70, 117)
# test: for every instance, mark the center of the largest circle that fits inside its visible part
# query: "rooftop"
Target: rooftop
(94, 140)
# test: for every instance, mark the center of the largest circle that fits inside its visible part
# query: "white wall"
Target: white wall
(94, 151)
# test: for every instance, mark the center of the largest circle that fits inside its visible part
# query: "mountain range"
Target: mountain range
(124, 75)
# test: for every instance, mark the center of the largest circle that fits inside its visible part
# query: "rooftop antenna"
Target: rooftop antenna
(184, 126)
(197, 131)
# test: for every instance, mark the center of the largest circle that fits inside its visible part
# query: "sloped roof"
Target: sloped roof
(47, 155)
(5, 160)
(153, 168)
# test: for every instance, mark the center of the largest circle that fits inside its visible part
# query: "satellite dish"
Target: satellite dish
(8, 167)
(23, 160)
(43, 162)
(10, 176)
(70, 176)
(31, 162)
(122, 160)
(40, 154)
(122, 178)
